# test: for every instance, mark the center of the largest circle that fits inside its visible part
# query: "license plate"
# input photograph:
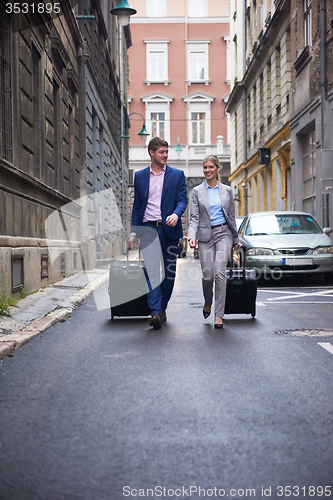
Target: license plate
(297, 262)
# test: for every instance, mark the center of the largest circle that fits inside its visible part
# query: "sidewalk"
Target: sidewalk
(42, 309)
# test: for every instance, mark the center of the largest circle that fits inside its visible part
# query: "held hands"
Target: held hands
(132, 242)
(193, 243)
(171, 220)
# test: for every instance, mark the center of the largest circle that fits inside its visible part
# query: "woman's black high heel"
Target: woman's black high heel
(205, 313)
(218, 325)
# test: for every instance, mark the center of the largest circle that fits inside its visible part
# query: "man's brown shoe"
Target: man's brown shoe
(156, 321)
(164, 316)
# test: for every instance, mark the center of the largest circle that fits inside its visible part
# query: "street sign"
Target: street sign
(264, 156)
(326, 186)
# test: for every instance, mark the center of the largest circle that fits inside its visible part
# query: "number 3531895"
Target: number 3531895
(303, 491)
(32, 8)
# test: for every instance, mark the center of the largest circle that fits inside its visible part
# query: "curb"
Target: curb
(9, 343)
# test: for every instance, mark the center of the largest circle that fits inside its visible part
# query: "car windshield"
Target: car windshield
(282, 224)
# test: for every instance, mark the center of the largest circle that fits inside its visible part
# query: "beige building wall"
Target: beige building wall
(177, 94)
(179, 8)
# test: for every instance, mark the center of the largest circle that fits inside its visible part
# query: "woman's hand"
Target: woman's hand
(193, 243)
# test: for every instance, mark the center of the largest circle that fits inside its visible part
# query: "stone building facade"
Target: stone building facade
(59, 142)
(281, 106)
(312, 108)
(259, 105)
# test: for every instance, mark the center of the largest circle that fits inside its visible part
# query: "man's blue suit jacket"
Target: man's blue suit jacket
(174, 198)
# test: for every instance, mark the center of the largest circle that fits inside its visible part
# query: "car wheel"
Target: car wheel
(328, 277)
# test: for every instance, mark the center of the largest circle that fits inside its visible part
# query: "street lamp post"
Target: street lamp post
(123, 11)
(143, 132)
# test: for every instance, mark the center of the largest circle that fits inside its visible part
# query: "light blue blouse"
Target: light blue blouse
(216, 212)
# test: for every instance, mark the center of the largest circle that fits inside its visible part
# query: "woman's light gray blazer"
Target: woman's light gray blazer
(200, 224)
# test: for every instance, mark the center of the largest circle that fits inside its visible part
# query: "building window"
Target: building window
(199, 118)
(156, 8)
(307, 23)
(278, 79)
(236, 136)
(36, 91)
(261, 104)
(6, 118)
(158, 115)
(157, 125)
(198, 62)
(56, 141)
(268, 94)
(309, 171)
(227, 41)
(63, 265)
(157, 62)
(198, 128)
(261, 15)
(197, 8)
(197, 65)
(44, 264)
(17, 272)
(254, 114)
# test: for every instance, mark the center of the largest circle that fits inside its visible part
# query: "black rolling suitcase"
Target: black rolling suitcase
(241, 291)
(128, 288)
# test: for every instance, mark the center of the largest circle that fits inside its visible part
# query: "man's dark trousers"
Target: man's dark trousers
(158, 264)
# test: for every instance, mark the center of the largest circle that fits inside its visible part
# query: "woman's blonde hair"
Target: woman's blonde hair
(214, 159)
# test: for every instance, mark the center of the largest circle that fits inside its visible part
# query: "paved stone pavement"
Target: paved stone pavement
(46, 307)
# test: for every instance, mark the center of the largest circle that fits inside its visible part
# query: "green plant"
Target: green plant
(5, 302)
(23, 293)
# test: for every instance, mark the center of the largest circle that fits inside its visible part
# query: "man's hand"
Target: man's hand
(171, 220)
(132, 241)
(193, 243)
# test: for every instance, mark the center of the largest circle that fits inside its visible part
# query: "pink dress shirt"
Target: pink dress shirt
(153, 209)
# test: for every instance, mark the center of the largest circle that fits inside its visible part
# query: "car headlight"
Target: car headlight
(260, 251)
(321, 250)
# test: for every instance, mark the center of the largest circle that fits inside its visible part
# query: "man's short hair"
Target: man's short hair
(155, 143)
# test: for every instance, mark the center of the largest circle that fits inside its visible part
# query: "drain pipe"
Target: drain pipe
(245, 107)
(323, 95)
(322, 68)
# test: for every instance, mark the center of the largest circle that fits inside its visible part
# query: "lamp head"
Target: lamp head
(143, 133)
(178, 148)
(123, 11)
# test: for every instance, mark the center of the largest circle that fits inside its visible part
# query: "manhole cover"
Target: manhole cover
(307, 333)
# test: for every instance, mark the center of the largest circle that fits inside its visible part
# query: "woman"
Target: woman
(213, 227)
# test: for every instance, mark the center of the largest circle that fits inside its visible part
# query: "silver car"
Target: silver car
(281, 243)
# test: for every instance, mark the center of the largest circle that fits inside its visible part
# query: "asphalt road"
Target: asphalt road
(99, 410)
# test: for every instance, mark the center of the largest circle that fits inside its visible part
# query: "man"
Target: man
(160, 199)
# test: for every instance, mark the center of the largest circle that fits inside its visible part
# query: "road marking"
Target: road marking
(326, 345)
(261, 304)
(297, 295)
(307, 302)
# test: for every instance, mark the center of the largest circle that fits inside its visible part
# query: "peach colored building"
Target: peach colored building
(179, 82)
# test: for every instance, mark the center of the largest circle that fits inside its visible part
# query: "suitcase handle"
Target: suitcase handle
(134, 273)
(231, 269)
(135, 247)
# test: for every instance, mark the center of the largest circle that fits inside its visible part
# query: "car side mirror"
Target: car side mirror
(327, 230)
